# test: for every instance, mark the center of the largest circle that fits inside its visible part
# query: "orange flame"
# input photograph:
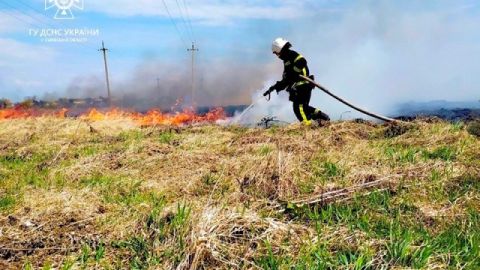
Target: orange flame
(151, 118)
(20, 112)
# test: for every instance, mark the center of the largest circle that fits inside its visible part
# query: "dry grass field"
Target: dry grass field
(112, 195)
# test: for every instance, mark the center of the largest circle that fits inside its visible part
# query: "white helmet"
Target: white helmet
(278, 45)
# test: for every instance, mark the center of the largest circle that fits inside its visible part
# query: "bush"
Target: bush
(5, 103)
(474, 128)
(394, 130)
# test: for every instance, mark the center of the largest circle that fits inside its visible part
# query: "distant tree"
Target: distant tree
(27, 103)
(5, 103)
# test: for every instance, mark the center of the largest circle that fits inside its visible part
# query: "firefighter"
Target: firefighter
(300, 91)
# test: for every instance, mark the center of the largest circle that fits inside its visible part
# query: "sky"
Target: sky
(373, 53)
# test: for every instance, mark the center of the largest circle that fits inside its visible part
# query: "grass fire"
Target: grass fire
(279, 135)
(150, 118)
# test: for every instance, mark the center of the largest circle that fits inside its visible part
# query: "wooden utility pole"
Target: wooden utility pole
(104, 50)
(193, 50)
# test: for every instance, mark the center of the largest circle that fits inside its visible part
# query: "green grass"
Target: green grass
(459, 244)
(446, 153)
(99, 252)
(427, 219)
(131, 135)
(265, 150)
(29, 169)
(332, 169)
(325, 171)
(67, 264)
(401, 154)
(209, 179)
(402, 251)
(409, 244)
(172, 227)
(353, 259)
(460, 186)
(270, 260)
(98, 179)
(128, 194)
(84, 256)
(166, 137)
(457, 126)
(88, 150)
(7, 202)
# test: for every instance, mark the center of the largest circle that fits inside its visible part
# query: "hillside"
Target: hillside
(112, 195)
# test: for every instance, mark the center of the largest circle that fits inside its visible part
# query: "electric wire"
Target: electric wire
(18, 10)
(22, 12)
(14, 16)
(185, 24)
(5, 11)
(49, 19)
(189, 19)
(32, 8)
(174, 24)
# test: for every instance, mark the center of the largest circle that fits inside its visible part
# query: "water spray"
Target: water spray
(249, 108)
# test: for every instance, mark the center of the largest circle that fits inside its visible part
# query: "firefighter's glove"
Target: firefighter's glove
(269, 91)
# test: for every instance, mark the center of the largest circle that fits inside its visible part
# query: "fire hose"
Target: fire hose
(374, 115)
(384, 118)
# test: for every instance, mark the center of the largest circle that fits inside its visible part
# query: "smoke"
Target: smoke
(278, 107)
(378, 54)
(89, 86)
(1, 78)
(158, 84)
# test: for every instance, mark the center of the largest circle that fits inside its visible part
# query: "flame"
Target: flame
(19, 112)
(62, 113)
(156, 117)
(151, 118)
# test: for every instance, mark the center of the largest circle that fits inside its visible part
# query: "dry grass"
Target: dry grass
(109, 194)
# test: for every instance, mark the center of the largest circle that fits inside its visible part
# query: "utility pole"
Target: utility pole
(104, 50)
(158, 84)
(193, 50)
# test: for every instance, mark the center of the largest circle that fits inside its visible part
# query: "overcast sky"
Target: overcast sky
(375, 53)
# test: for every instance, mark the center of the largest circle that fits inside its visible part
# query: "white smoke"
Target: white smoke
(373, 53)
(277, 107)
(378, 54)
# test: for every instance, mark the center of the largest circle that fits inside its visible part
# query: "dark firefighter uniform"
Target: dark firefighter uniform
(300, 90)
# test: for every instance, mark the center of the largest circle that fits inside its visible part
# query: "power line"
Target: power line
(13, 16)
(35, 18)
(173, 22)
(30, 7)
(184, 21)
(189, 18)
(81, 44)
(17, 9)
(30, 23)
(21, 12)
